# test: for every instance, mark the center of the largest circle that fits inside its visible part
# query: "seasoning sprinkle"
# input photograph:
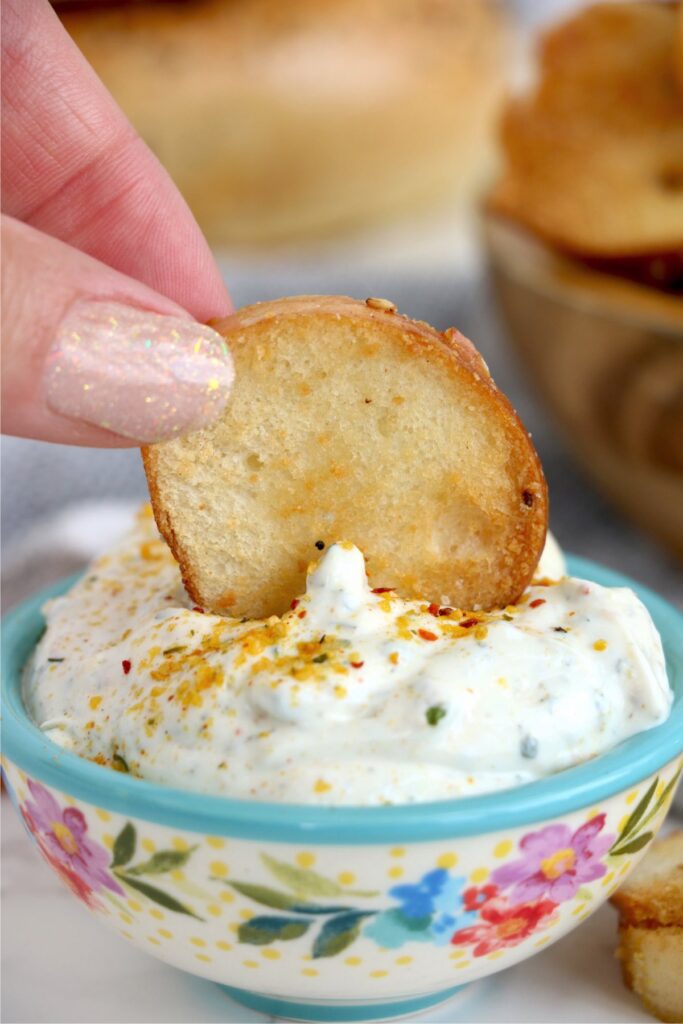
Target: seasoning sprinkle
(427, 634)
(528, 747)
(55, 660)
(537, 603)
(126, 665)
(382, 590)
(435, 714)
(319, 659)
(320, 544)
(357, 664)
(468, 623)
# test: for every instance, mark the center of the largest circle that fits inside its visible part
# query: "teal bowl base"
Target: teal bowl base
(335, 1010)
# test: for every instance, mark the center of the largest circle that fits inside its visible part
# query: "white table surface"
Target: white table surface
(61, 965)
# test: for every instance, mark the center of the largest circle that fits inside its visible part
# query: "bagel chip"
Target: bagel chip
(350, 422)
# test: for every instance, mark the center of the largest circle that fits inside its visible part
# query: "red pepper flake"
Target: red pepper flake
(357, 664)
(126, 665)
(537, 603)
(382, 590)
(302, 613)
(468, 623)
(294, 604)
(426, 635)
(196, 608)
(434, 609)
(445, 611)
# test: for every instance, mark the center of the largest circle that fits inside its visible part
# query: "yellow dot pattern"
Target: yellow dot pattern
(306, 859)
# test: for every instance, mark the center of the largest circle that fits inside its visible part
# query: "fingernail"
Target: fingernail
(138, 374)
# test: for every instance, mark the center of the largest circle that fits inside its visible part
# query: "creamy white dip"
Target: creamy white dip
(353, 696)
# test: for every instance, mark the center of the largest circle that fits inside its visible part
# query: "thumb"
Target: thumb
(92, 357)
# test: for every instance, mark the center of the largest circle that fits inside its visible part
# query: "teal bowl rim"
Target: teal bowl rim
(573, 789)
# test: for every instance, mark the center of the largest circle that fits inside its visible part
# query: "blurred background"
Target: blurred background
(375, 147)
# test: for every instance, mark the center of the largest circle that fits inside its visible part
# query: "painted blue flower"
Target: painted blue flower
(449, 912)
(429, 912)
(418, 900)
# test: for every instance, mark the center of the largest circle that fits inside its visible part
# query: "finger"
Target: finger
(92, 357)
(73, 167)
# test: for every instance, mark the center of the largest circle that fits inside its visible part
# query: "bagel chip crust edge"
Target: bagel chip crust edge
(350, 422)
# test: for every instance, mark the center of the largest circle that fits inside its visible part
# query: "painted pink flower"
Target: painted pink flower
(502, 925)
(63, 840)
(555, 862)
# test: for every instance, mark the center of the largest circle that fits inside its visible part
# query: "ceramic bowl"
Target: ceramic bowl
(606, 356)
(349, 913)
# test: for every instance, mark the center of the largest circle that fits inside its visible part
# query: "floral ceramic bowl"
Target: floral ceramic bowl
(348, 913)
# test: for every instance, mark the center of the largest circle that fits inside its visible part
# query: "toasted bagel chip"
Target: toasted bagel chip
(593, 155)
(350, 422)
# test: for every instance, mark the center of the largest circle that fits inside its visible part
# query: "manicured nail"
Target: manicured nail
(138, 374)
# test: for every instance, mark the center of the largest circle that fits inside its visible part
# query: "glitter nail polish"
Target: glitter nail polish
(139, 374)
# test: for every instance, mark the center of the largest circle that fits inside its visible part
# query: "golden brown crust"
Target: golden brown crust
(650, 905)
(653, 894)
(594, 156)
(439, 485)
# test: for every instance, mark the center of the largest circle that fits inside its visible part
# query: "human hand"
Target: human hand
(104, 265)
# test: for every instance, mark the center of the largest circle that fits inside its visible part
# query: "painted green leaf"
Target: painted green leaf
(338, 933)
(261, 931)
(633, 846)
(164, 860)
(281, 900)
(664, 797)
(305, 882)
(157, 895)
(124, 846)
(412, 924)
(583, 894)
(637, 813)
(264, 895)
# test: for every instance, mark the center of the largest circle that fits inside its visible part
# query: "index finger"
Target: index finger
(74, 167)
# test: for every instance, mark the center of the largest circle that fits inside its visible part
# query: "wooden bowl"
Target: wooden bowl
(606, 355)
